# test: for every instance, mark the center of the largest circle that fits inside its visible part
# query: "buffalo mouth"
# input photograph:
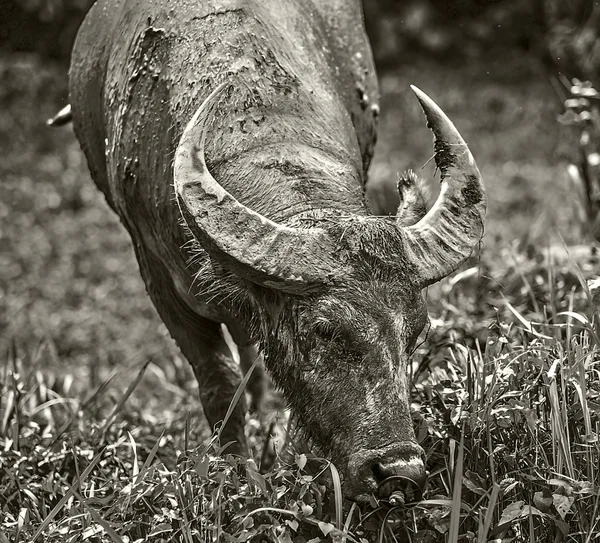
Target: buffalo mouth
(398, 490)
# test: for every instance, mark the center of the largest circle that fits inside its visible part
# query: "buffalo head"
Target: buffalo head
(336, 300)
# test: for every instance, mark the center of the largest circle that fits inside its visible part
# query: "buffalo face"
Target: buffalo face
(343, 358)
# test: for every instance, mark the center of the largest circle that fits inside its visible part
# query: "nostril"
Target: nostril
(398, 466)
(400, 479)
(379, 472)
(399, 490)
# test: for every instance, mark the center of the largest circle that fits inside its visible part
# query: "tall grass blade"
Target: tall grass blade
(457, 491)
(99, 520)
(482, 536)
(337, 492)
(86, 403)
(113, 414)
(135, 470)
(236, 398)
(149, 459)
(348, 522)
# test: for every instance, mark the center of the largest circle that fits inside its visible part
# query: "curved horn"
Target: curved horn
(256, 247)
(445, 237)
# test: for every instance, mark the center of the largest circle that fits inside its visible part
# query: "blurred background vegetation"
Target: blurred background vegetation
(561, 32)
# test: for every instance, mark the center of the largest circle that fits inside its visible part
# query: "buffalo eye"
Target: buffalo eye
(324, 331)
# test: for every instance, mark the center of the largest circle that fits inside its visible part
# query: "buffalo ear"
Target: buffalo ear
(414, 197)
(63, 117)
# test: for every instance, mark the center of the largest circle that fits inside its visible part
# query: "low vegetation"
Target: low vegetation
(510, 426)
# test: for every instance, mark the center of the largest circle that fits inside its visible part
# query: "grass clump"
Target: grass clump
(510, 427)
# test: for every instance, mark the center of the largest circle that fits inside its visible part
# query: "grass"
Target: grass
(99, 414)
(510, 428)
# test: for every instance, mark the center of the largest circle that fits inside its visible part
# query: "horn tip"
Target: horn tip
(416, 90)
(421, 96)
(431, 109)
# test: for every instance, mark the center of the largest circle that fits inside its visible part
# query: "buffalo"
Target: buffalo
(233, 140)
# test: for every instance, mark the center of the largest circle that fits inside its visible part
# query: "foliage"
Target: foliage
(573, 36)
(564, 33)
(451, 30)
(524, 403)
(582, 112)
(45, 26)
(510, 429)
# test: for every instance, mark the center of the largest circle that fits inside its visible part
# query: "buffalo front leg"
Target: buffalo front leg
(249, 354)
(266, 401)
(202, 343)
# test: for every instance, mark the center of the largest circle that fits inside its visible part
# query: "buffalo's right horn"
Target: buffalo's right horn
(259, 249)
(445, 237)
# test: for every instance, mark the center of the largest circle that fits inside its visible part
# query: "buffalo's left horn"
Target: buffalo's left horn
(257, 248)
(445, 237)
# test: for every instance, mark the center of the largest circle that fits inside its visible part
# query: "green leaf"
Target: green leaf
(326, 527)
(160, 529)
(307, 510)
(201, 467)
(293, 524)
(512, 512)
(301, 460)
(563, 504)
(543, 500)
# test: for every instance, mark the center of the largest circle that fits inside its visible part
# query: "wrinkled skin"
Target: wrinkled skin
(292, 140)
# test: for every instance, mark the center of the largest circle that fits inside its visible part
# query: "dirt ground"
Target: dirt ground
(69, 283)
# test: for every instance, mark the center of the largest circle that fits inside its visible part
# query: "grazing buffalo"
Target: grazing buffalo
(233, 138)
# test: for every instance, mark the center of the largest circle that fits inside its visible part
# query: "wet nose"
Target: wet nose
(395, 473)
(400, 478)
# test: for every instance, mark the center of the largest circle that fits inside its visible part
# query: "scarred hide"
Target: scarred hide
(233, 140)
